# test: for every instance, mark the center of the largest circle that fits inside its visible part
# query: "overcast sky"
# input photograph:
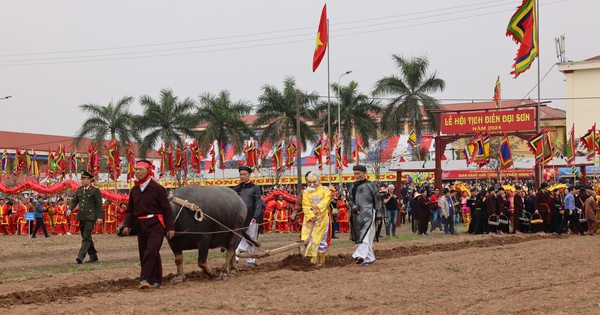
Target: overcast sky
(57, 55)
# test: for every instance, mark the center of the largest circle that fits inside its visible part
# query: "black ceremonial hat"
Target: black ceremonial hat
(86, 174)
(361, 168)
(245, 168)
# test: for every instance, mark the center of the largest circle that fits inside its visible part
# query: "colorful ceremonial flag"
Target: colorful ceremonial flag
(35, 169)
(486, 145)
(72, 163)
(322, 40)
(339, 157)
(222, 155)
(506, 160)
(170, 159)
(327, 151)
(51, 164)
(4, 161)
(17, 162)
(589, 141)
(290, 153)
(478, 150)
(27, 161)
(412, 139)
(471, 150)
(213, 159)
(523, 29)
(131, 162)
(497, 98)
(357, 150)
(277, 157)
(548, 148)
(113, 165)
(195, 159)
(536, 144)
(93, 161)
(162, 152)
(318, 153)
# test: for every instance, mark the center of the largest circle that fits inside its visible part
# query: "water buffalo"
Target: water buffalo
(220, 203)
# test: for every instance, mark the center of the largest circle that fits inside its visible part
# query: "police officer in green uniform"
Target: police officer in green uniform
(89, 200)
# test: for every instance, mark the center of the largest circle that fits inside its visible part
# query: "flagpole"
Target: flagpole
(539, 93)
(328, 105)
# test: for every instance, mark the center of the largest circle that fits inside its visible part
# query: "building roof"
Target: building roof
(10, 140)
(597, 58)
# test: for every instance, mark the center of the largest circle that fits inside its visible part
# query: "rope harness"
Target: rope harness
(199, 216)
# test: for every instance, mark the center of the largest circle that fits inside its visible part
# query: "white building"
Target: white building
(582, 83)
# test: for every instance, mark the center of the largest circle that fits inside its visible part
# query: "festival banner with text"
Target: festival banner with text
(493, 121)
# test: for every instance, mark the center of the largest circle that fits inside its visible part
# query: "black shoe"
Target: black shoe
(78, 260)
(359, 260)
(334, 237)
(48, 235)
(92, 260)
(33, 236)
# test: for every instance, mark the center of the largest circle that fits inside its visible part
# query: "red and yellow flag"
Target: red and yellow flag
(497, 98)
(523, 29)
(322, 39)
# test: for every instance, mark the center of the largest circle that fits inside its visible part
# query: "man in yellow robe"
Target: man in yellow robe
(316, 227)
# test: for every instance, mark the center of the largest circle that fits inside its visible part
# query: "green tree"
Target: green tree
(167, 120)
(113, 121)
(277, 112)
(356, 112)
(410, 91)
(223, 122)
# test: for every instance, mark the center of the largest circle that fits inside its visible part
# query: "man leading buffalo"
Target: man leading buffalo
(150, 211)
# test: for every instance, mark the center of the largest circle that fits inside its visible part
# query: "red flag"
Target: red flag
(178, 157)
(131, 162)
(170, 160)
(195, 160)
(213, 159)
(497, 97)
(322, 40)
(222, 155)
(93, 160)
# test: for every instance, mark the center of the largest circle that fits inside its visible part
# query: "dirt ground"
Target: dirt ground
(437, 274)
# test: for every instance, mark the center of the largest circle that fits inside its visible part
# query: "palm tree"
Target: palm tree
(168, 120)
(277, 110)
(114, 121)
(410, 91)
(356, 112)
(223, 120)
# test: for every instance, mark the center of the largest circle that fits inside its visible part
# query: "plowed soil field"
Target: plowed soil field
(437, 274)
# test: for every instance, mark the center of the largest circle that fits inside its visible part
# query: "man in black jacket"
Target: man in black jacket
(252, 197)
